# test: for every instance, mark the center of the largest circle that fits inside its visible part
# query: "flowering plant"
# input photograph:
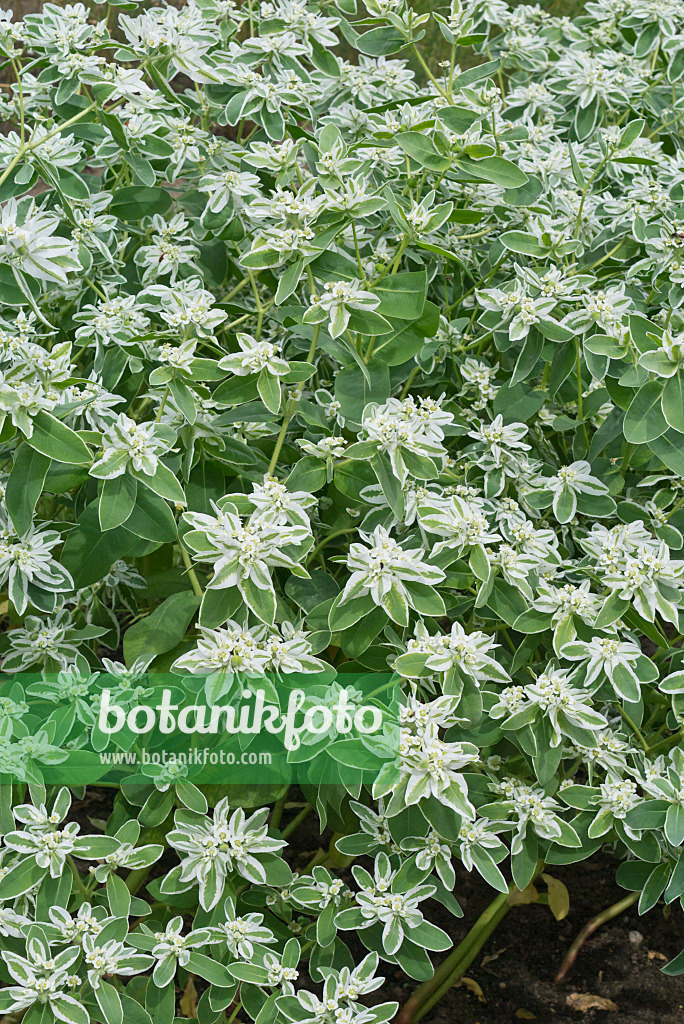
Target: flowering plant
(315, 359)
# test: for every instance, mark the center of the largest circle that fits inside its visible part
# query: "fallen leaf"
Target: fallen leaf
(492, 956)
(188, 1001)
(559, 897)
(584, 1001)
(473, 987)
(525, 1015)
(528, 895)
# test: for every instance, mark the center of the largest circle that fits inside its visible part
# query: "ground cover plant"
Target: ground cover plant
(313, 367)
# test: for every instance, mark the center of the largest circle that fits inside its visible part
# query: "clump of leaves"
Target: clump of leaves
(307, 367)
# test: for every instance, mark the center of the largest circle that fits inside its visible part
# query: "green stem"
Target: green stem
(667, 743)
(629, 450)
(259, 305)
(160, 410)
(326, 540)
(296, 822)
(235, 1013)
(585, 191)
(96, 289)
(292, 405)
(238, 288)
(635, 729)
(192, 575)
(409, 381)
(136, 879)
(278, 809)
(427, 71)
(580, 403)
(77, 877)
(455, 965)
(590, 928)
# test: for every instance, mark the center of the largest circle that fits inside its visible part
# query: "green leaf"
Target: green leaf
(675, 966)
(354, 389)
(117, 498)
(421, 148)
(237, 391)
(162, 482)
(529, 356)
(213, 972)
(324, 59)
(307, 475)
(524, 195)
(654, 887)
(109, 1002)
(25, 485)
(631, 133)
(355, 639)
(576, 170)
(252, 973)
(134, 1013)
(309, 593)
(162, 630)
(118, 896)
(133, 202)
(518, 402)
(289, 281)
(141, 167)
(344, 615)
(673, 401)
(213, 260)
(586, 119)
(402, 296)
(495, 169)
(72, 185)
(88, 553)
(519, 241)
(458, 119)
(53, 438)
(390, 484)
(644, 420)
(151, 518)
(20, 879)
(367, 322)
(184, 399)
(532, 621)
(476, 74)
(669, 449)
(68, 1008)
(379, 42)
(268, 387)
(674, 825)
(409, 337)
(160, 1003)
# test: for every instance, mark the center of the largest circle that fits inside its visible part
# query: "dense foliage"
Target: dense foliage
(310, 367)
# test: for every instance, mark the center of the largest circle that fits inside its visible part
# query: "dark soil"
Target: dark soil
(621, 962)
(512, 979)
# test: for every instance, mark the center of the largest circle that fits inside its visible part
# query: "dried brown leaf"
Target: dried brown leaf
(559, 897)
(473, 987)
(584, 1001)
(188, 1001)
(492, 956)
(528, 895)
